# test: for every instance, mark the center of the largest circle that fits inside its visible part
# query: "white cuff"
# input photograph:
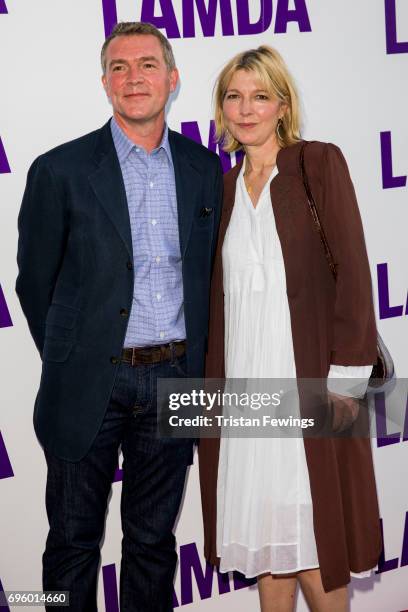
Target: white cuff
(350, 381)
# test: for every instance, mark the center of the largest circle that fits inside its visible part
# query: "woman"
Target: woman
(288, 510)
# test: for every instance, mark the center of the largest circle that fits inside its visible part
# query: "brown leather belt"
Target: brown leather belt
(143, 355)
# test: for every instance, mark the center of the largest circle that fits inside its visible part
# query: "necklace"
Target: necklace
(249, 187)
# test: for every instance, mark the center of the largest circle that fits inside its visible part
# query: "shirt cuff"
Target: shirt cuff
(350, 381)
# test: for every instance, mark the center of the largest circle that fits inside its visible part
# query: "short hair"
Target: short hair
(134, 28)
(274, 75)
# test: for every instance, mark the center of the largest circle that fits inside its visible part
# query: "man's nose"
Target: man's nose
(135, 74)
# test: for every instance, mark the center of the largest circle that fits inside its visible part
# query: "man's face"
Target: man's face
(137, 80)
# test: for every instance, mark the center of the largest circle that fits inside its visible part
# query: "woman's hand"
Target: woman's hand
(345, 411)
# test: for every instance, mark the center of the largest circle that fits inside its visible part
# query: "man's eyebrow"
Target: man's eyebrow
(149, 58)
(145, 58)
(117, 61)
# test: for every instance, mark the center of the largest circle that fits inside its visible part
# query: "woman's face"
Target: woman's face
(250, 113)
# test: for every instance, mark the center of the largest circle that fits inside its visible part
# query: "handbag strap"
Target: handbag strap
(315, 214)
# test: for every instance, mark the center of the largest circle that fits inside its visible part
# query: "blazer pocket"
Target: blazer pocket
(60, 321)
(204, 220)
(206, 211)
(56, 350)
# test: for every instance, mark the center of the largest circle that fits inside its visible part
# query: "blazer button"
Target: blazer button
(123, 312)
(129, 265)
(114, 360)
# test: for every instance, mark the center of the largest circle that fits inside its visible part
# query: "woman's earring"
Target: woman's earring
(278, 127)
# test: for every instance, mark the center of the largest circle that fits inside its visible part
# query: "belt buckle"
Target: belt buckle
(172, 347)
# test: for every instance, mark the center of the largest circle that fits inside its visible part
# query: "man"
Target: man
(117, 233)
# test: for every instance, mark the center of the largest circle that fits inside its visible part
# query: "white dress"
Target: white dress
(264, 505)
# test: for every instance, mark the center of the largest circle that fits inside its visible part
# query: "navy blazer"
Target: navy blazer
(76, 274)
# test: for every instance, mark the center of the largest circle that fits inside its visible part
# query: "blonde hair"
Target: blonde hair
(273, 73)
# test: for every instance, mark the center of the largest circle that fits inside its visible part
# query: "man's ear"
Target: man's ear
(174, 77)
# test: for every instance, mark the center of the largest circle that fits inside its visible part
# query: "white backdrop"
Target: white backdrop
(352, 91)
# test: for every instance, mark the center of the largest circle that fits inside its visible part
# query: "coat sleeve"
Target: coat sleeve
(42, 236)
(354, 330)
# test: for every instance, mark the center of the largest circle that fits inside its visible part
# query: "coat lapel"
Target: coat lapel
(188, 180)
(107, 183)
(284, 182)
(287, 196)
(281, 185)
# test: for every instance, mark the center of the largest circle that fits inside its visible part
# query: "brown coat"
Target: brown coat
(332, 323)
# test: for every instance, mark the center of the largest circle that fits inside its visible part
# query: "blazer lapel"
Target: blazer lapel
(107, 183)
(188, 187)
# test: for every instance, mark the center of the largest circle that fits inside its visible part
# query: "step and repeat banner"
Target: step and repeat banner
(350, 61)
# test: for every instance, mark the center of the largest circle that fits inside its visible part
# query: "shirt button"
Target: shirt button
(151, 184)
(123, 312)
(158, 295)
(129, 265)
(157, 259)
(161, 334)
(154, 221)
(114, 360)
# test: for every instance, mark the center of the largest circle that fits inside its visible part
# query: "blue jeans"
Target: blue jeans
(154, 472)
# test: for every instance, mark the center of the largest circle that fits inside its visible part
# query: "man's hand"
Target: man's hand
(345, 411)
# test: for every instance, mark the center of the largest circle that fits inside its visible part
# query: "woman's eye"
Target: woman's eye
(262, 97)
(232, 96)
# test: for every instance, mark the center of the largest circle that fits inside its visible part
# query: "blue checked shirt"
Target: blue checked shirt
(157, 313)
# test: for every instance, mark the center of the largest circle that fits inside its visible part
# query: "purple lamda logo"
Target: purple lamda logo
(5, 319)
(385, 438)
(200, 16)
(207, 580)
(192, 130)
(4, 165)
(389, 180)
(6, 471)
(3, 7)
(3, 605)
(386, 310)
(391, 26)
(386, 565)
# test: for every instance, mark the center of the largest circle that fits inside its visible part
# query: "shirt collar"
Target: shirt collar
(124, 145)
